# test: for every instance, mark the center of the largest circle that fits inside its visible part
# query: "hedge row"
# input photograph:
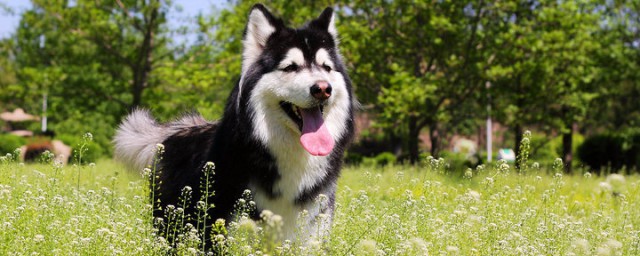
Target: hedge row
(611, 151)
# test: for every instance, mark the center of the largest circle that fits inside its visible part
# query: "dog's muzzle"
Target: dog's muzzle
(321, 90)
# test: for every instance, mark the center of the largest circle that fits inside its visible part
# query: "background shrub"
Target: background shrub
(545, 150)
(353, 158)
(385, 158)
(76, 124)
(458, 163)
(614, 151)
(91, 155)
(382, 159)
(9, 142)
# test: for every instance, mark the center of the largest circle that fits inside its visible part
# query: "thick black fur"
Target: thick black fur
(239, 158)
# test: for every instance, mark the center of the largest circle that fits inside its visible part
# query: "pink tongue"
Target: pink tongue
(315, 135)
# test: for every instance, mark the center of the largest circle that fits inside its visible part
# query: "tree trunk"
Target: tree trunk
(397, 144)
(143, 64)
(435, 140)
(567, 148)
(137, 88)
(517, 130)
(414, 140)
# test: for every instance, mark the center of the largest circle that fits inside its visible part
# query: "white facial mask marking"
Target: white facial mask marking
(323, 58)
(294, 56)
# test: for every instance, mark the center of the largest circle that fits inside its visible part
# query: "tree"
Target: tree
(98, 59)
(124, 33)
(543, 66)
(422, 61)
(573, 43)
(617, 85)
(8, 80)
(516, 87)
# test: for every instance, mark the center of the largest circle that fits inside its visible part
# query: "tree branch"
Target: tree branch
(126, 13)
(107, 47)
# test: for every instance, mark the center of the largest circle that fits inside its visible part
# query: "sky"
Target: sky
(9, 21)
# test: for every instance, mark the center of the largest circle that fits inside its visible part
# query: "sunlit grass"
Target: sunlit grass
(408, 211)
(393, 210)
(44, 210)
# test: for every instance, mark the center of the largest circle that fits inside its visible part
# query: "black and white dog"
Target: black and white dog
(283, 134)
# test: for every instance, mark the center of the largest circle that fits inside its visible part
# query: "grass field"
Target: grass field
(101, 209)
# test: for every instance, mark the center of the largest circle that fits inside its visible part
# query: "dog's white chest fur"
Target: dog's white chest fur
(299, 171)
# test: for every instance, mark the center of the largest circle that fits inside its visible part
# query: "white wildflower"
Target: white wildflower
(535, 165)
(468, 174)
(146, 172)
(367, 247)
(616, 181)
(159, 148)
(580, 245)
(603, 251)
(453, 250)
(474, 195)
(613, 244)
(246, 225)
(266, 214)
(38, 238)
(605, 186)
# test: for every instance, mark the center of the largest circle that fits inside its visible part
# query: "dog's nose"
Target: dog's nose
(321, 90)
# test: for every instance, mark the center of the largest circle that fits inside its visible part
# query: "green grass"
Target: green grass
(102, 209)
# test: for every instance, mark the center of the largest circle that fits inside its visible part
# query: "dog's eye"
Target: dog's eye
(326, 67)
(291, 68)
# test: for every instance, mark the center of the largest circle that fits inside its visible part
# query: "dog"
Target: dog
(282, 136)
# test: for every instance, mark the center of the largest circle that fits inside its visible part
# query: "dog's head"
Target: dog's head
(293, 81)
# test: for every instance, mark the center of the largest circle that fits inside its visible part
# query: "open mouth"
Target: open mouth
(295, 113)
(315, 137)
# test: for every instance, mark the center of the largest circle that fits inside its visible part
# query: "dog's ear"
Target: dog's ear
(261, 25)
(326, 21)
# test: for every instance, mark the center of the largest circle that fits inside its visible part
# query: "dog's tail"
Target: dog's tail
(137, 138)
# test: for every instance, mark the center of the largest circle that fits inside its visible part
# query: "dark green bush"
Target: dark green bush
(545, 149)
(457, 162)
(382, 159)
(385, 158)
(613, 151)
(92, 153)
(353, 158)
(77, 123)
(9, 143)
